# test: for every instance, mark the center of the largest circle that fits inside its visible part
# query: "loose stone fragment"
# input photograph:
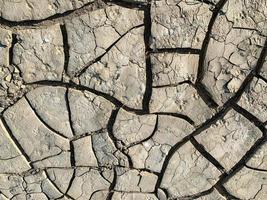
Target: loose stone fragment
(179, 23)
(50, 104)
(98, 29)
(151, 154)
(173, 68)
(39, 54)
(188, 173)
(131, 128)
(229, 139)
(121, 71)
(254, 99)
(248, 184)
(182, 99)
(43, 147)
(11, 159)
(89, 112)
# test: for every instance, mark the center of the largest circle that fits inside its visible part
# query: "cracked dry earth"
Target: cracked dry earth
(133, 100)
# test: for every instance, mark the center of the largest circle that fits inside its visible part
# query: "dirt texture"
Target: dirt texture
(133, 100)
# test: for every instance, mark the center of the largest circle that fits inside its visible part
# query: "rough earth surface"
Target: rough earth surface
(133, 100)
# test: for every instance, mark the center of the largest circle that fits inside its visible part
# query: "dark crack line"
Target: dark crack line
(115, 141)
(16, 196)
(255, 169)
(69, 111)
(232, 103)
(54, 18)
(98, 168)
(250, 77)
(77, 137)
(96, 191)
(132, 192)
(196, 196)
(206, 41)
(70, 183)
(221, 189)
(83, 70)
(239, 165)
(60, 17)
(261, 59)
(147, 138)
(207, 2)
(52, 182)
(10, 158)
(165, 191)
(128, 4)
(85, 88)
(262, 78)
(226, 107)
(3, 194)
(249, 29)
(14, 139)
(249, 116)
(72, 155)
(205, 95)
(258, 191)
(177, 115)
(139, 169)
(42, 121)
(73, 165)
(47, 157)
(11, 49)
(173, 85)
(147, 37)
(112, 186)
(199, 130)
(175, 50)
(65, 47)
(202, 91)
(201, 149)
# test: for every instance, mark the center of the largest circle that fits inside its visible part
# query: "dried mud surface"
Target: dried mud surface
(133, 100)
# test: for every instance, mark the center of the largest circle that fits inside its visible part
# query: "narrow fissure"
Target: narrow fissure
(206, 154)
(14, 139)
(110, 125)
(147, 37)
(11, 49)
(66, 47)
(206, 41)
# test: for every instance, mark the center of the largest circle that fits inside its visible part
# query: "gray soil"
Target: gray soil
(133, 100)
